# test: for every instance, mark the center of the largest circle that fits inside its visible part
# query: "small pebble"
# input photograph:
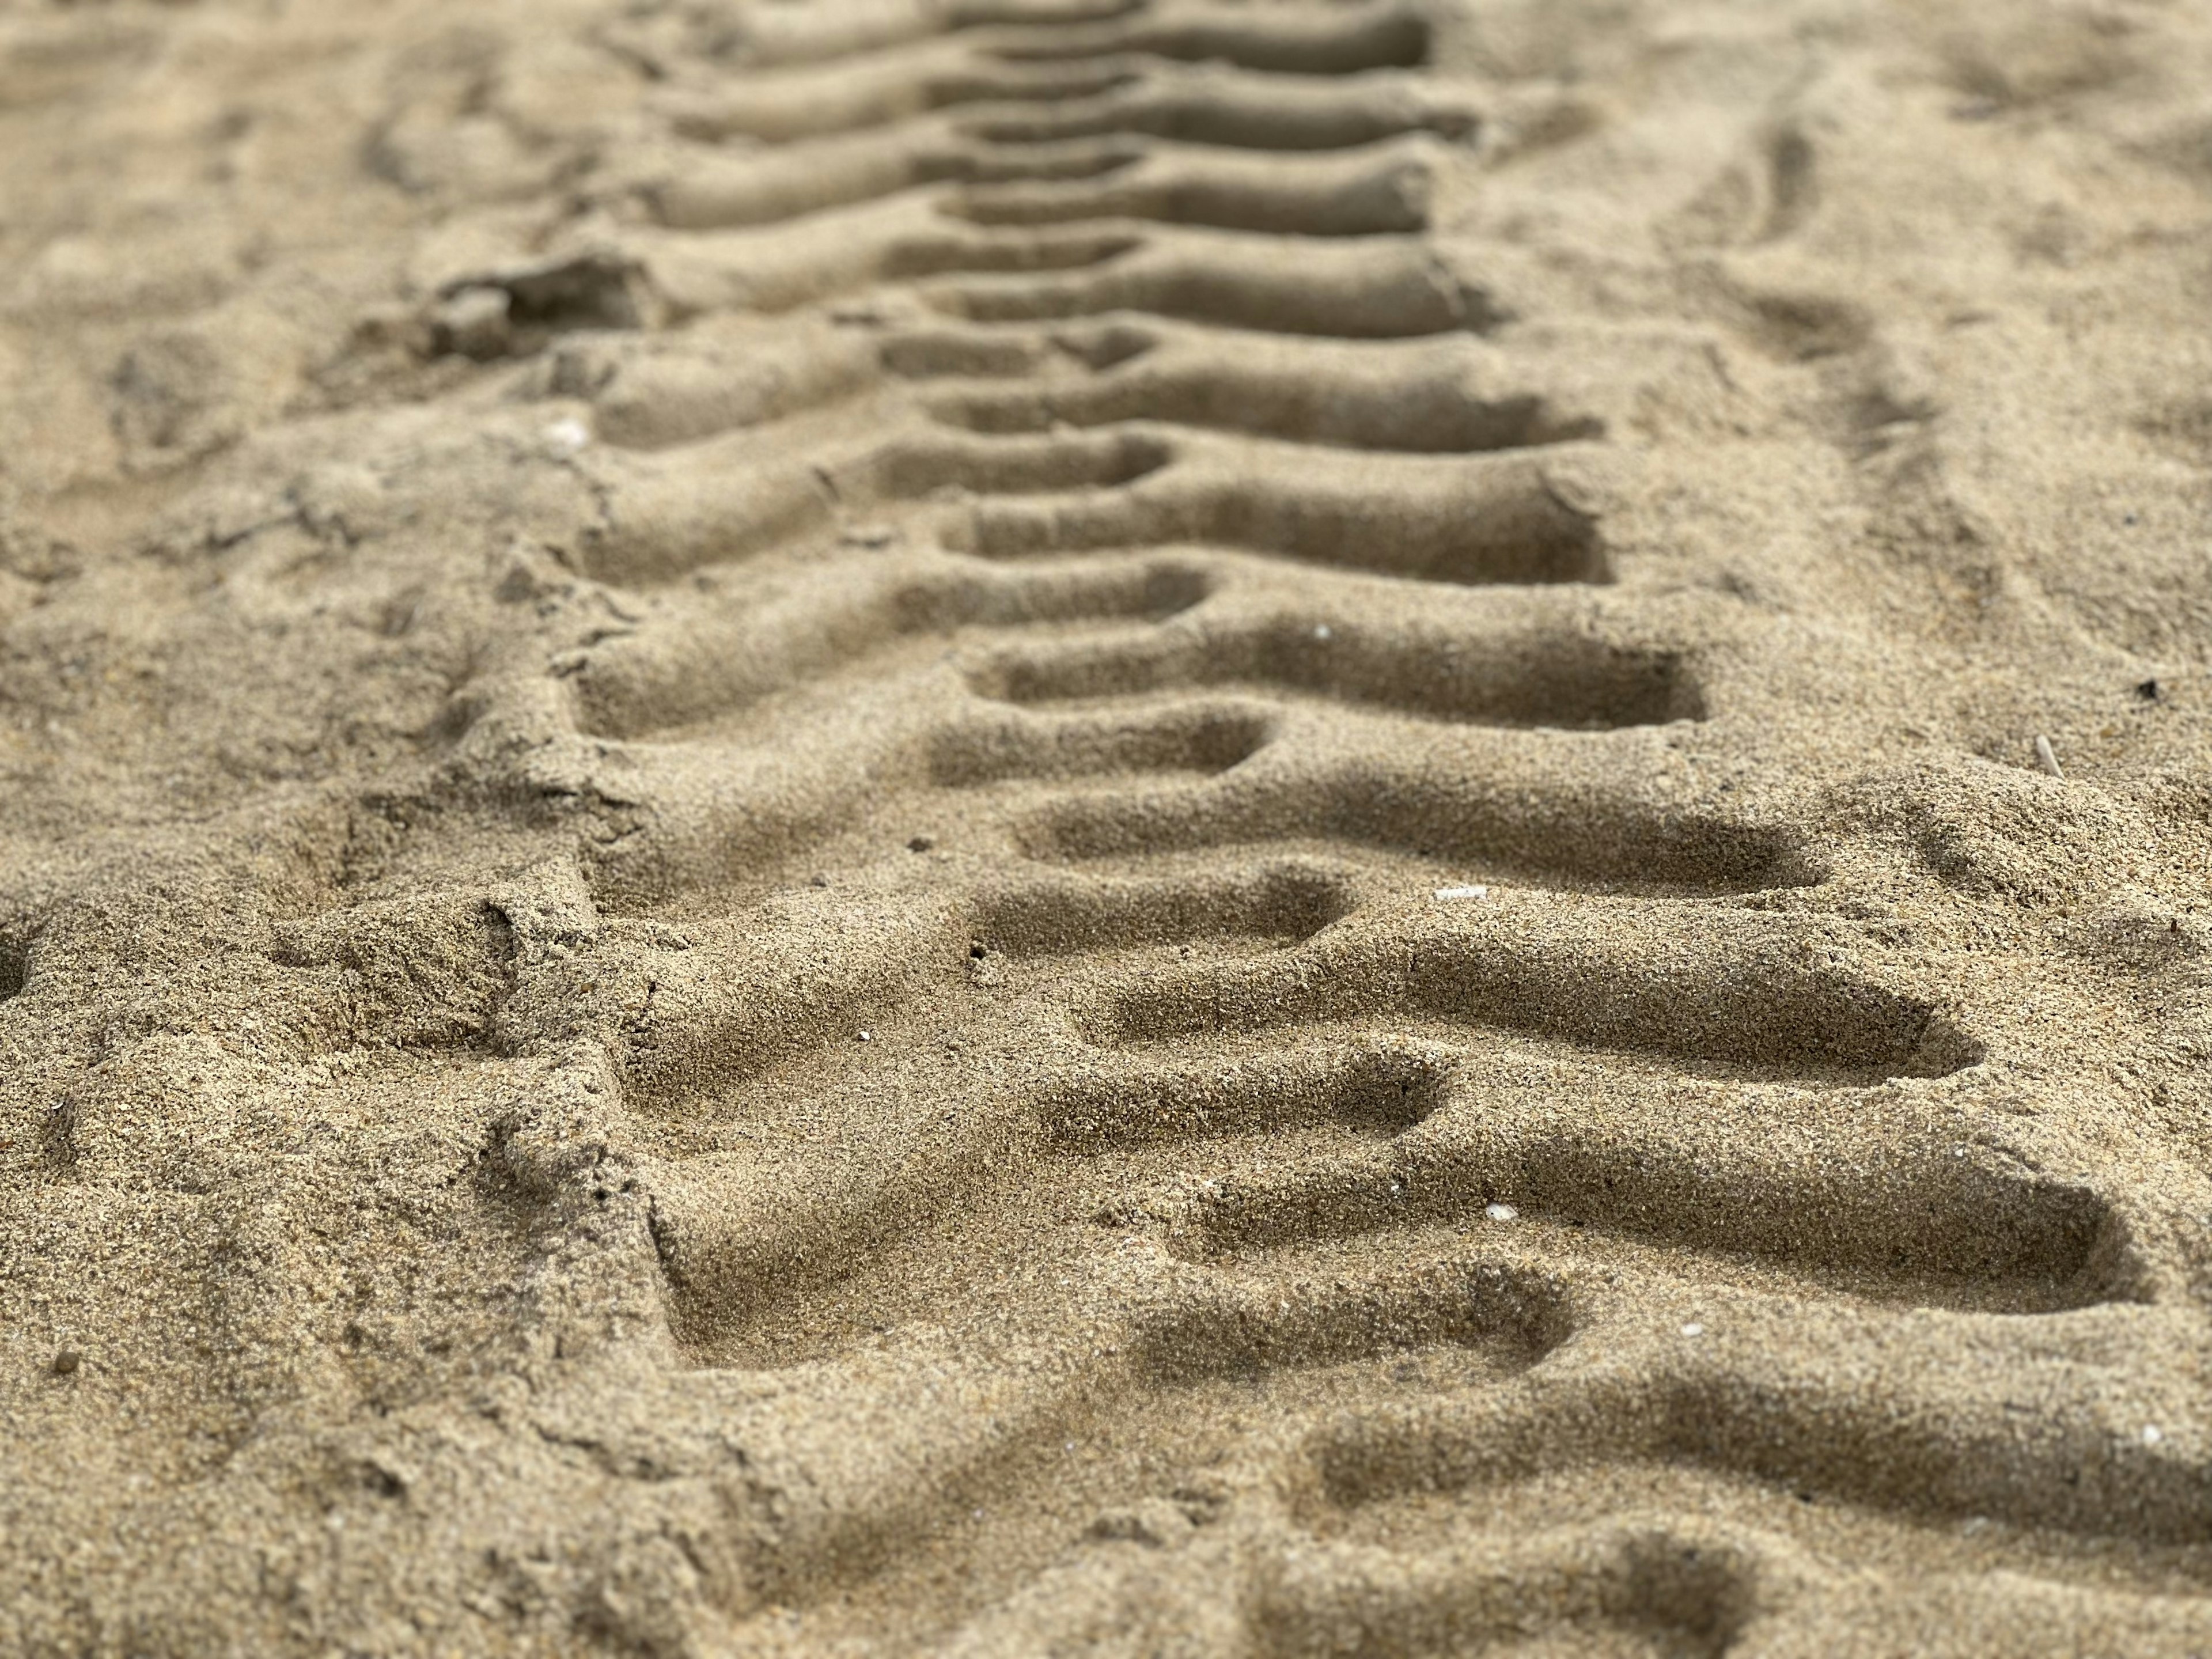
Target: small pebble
(1693, 1328)
(919, 844)
(1321, 630)
(1501, 1212)
(2152, 1435)
(66, 1362)
(864, 1036)
(566, 437)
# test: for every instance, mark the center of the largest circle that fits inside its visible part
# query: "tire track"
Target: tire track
(1247, 633)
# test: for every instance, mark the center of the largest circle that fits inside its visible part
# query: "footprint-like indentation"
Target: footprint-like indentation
(1378, 190)
(1656, 1590)
(923, 354)
(673, 510)
(1547, 805)
(1490, 519)
(1473, 519)
(1324, 40)
(1450, 395)
(1684, 1584)
(876, 89)
(782, 37)
(1374, 1088)
(1205, 106)
(1857, 1197)
(1049, 912)
(1366, 288)
(1525, 668)
(713, 659)
(1004, 597)
(1285, 1323)
(910, 468)
(820, 255)
(1357, 194)
(2036, 1421)
(1205, 737)
(718, 191)
(1701, 987)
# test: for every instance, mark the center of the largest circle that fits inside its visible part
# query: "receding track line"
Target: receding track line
(1523, 670)
(1635, 978)
(783, 37)
(1680, 1585)
(1446, 1125)
(1248, 1327)
(838, 250)
(704, 659)
(715, 191)
(882, 88)
(1044, 912)
(1362, 288)
(1452, 395)
(1328, 41)
(1195, 336)
(1892, 1412)
(1379, 192)
(1467, 520)
(1241, 112)
(1195, 736)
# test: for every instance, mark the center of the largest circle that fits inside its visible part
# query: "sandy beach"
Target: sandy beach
(1067, 828)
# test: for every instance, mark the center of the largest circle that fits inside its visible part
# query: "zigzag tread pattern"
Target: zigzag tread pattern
(1139, 961)
(1213, 588)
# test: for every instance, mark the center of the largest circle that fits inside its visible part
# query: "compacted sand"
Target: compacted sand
(1033, 827)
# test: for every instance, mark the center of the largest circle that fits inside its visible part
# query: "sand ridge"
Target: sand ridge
(1060, 827)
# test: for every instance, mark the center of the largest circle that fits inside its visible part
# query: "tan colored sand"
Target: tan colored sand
(1007, 829)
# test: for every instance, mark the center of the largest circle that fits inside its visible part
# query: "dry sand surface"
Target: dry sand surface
(1042, 827)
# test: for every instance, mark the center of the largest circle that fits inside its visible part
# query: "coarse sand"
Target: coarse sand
(1071, 828)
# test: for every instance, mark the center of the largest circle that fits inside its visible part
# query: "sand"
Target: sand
(1022, 827)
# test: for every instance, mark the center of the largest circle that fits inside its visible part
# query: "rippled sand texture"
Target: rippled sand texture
(1042, 827)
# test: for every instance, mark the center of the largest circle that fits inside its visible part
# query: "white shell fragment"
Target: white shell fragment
(1501, 1212)
(567, 436)
(1447, 895)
